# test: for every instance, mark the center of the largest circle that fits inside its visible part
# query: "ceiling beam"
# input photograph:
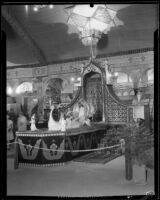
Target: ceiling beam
(20, 30)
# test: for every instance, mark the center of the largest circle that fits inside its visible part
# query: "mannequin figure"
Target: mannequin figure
(63, 122)
(54, 124)
(22, 122)
(33, 126)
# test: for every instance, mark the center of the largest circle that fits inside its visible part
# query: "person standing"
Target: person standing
(10, 136)
(22, 122)
(13, 118)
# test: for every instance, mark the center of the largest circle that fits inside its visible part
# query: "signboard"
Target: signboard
(138, 112)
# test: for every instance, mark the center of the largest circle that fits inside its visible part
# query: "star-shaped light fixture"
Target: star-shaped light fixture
(91, 22)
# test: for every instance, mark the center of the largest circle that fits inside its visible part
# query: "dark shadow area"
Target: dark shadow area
(137, 31)
(5, 26)
(17, 50)
(139, 23)
(103, 42)
(58, 44)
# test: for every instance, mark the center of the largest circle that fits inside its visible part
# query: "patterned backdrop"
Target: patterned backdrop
(115, 112)
(93, 95)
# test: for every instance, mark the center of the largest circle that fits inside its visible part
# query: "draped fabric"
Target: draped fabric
(93, 95)
(46, 147)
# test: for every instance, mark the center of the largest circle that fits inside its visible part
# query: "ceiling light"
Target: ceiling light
(91, 22)
(9, 90)
(51, 6)
(35, 9)
(26, 8)
(38, 7)
(18, 91)
(79, 78)
(72, 79)
(24, 87)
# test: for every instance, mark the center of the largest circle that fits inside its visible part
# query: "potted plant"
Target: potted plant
(142, 152)
(139, 151)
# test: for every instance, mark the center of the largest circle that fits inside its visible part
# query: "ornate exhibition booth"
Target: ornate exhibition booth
(47, 147)
(68, 84)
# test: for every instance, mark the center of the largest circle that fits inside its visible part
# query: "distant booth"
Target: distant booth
(46, 148)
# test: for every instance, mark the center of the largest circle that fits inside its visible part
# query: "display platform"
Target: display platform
(46, 148)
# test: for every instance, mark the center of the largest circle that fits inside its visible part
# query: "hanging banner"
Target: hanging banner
(34, 149)
(49, 147)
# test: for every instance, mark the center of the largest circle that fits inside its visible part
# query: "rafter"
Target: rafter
(20, 30)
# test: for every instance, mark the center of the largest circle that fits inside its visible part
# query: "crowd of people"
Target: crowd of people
(15, 123)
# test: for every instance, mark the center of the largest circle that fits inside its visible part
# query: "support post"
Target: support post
(128, 161)
(16, 154)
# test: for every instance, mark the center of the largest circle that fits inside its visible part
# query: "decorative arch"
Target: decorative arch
(48, 79)
(93, 80)
(53, 88)
(24, 87)
(92, 67)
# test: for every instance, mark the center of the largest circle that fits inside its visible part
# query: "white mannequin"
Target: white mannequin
(52, 124)
(33, 126)
(63, 122)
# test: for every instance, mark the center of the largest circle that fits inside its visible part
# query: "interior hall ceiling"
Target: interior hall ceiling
(44, 37)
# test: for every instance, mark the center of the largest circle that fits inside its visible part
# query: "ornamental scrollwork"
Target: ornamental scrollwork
(92, 68)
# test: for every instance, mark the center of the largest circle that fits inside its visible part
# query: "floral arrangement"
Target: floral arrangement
(142, 147)
(139, 143)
